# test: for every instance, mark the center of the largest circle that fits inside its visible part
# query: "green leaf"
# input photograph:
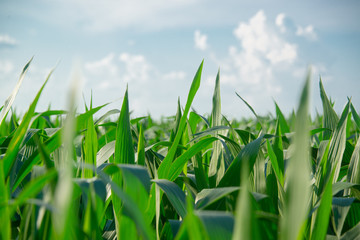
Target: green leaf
(175, 195)
(31, 189)
(54, 142)
(274, 163)
(191, 227)
(105, 153)
(252, 110)
(210, 131)
(131, 208)
(355, 116)
(297, 177)
(141, 148)
(9, 101)
(91, 145)
(217, 165)
(353, 174)
(339, 186)
(81, 120)
(352, 234)
(330, 117)
(5, 217)
(322, 214)
(124, 148)
(178, 164)
(218, 225)
(338, 143)
(197, 161)
(340, 209)
(20, 132)
(209, 196)
(164, 167)
(124, 153)
(248, 154)
(282, 121)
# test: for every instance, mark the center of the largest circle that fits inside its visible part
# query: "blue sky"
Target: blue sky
(262, 48)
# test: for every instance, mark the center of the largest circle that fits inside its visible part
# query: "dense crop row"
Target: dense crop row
(66, 175)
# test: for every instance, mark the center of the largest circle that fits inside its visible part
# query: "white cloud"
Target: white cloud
(257, 39)
(174, 75)
(200, 40)
(307, 32)
(287, 53)
(7, 40)
(136, 67)
(104, 65)
(252, 68)
(280, 22)
(6, 67)
(262, 50)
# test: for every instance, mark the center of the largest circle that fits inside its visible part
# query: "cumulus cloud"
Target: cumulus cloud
(200, 40)
(308, 32)
(137, 67)
(253, 66)
(280, 22)
(7, 40)
(258, 40)
(262, 50)
(104, 65)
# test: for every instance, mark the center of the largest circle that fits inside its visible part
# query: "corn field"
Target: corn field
(69, 175)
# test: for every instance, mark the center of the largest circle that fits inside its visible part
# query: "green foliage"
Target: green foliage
(70, 175)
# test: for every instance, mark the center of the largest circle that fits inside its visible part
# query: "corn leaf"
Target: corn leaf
(164, 168)
(297, 177)
(331, 119)
(9, 101)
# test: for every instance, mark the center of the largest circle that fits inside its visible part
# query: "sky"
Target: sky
(263, 50)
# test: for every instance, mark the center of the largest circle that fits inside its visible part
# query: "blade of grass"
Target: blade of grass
(54, 142)
(251, 109)
(9, 101)
(338, 143)
(91, 145)
(164, 167)
(322, 215)
(105, 153)
(175, 195)
(218, 225)
(64, 220)
(209, 196)
(124, 149)
(191, 227)
(131, 208)
(124, 153)
(20, 132)
(330, 117)
(178, 164)
(355, 116)
(5, 218)
(141, 148)
(31, 189)
(217, 165)
(274, 163)
(353, 175)
(282, 121)
(248, 154)
(244, 216)
(297, 179)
